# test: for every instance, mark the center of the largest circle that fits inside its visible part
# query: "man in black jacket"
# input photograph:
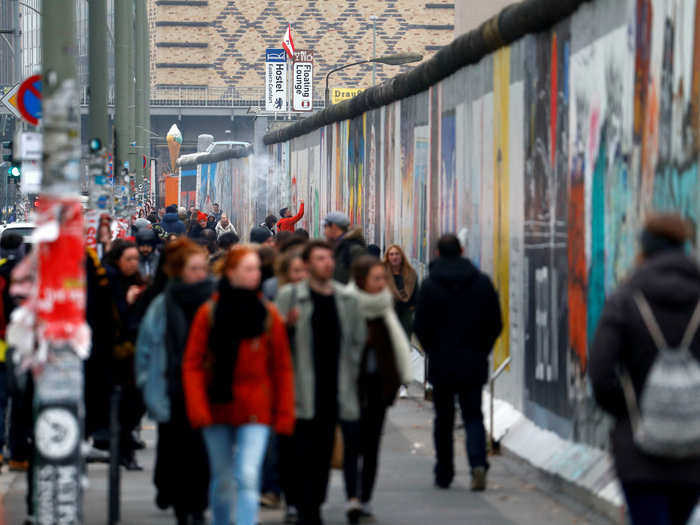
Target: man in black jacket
(458, 319)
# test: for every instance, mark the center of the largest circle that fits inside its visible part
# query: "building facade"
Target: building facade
(470, 14)
(221, 43)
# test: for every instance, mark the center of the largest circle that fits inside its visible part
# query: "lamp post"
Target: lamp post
(389, 60)
(373, 18)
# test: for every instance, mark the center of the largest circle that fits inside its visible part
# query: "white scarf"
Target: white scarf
(381, 304)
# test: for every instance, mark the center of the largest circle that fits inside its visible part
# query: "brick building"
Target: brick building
(221, 43)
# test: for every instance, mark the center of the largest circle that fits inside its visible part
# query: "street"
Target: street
(404, 494)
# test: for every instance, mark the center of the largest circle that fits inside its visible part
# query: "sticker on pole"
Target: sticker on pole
(9, 100)
(29, 99)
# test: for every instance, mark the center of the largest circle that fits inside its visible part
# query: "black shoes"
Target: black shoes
(353, 511)
(129, 463)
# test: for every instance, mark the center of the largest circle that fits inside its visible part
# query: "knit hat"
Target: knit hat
(338, 218)
(142, 224)
(171, 209)
(201, 216)
(146, 237)
(259, 234)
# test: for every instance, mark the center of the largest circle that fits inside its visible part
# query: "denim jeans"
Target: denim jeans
(271, 470)
(660, 503)
(443, 430)
(236, 456)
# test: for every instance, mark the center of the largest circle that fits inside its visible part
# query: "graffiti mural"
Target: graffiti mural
(545, 157)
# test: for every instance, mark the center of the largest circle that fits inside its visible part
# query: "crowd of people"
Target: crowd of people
(258, 360)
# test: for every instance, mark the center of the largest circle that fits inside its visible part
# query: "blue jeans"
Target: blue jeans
(235, 462)
(660, 503)
(443, 430)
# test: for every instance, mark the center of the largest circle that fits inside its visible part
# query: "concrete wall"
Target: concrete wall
(547, 155)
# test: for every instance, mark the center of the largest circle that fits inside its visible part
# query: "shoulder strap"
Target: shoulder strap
(212, 311)
(650, 321)
(692, 328)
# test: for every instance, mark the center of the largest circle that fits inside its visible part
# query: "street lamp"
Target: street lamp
(389, 60)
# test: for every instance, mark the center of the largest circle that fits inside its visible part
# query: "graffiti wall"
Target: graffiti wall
(545, 157)
(229, 183)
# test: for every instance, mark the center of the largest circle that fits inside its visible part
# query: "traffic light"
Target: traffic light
(95, 145)
(14, 168)
(9, 155)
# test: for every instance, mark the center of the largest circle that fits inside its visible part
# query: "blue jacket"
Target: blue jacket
(172, 224)
(152, 360)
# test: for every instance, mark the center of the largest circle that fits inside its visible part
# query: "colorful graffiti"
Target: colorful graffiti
(545, 157)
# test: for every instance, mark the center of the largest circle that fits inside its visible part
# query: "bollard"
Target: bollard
(114, 455)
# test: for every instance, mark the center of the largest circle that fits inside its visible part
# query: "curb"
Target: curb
(585, 474)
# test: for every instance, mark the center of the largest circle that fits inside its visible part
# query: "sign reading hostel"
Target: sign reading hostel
(275, 80)
(303, 73)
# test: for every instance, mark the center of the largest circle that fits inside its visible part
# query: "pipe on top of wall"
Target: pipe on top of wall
(511, 24)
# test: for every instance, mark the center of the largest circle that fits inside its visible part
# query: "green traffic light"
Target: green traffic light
(14, 171)
(95, 145)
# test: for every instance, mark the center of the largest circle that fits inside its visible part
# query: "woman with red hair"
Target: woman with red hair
(237, 375)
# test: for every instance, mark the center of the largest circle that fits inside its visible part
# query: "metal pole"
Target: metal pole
(58, 403)
(18, 42)
(98, 123)
(140, 20)
(122, 19)
(132, 91)
(113, 497)
(146, 58)
(374, 50)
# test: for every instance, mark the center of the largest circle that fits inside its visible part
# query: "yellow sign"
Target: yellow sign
(341, 94)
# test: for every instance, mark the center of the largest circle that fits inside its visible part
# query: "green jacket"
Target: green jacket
(353, 336)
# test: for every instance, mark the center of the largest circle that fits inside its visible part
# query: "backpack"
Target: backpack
(666, 418)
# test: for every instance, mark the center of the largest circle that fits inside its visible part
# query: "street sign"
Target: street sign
(29, 99)
(28, 145)
(9, 100)
(341, 94)
(31, 176)
(302, 78)
(275, 80)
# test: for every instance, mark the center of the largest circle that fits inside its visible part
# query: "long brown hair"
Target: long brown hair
(405, 265)
(284, 262)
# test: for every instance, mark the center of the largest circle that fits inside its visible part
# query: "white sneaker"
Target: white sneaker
(403, 392)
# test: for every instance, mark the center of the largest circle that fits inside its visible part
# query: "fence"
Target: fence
(243, 97)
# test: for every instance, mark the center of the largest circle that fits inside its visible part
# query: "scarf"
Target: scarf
(239, 315)
(372, 306)
(410, 278)
(181, 304)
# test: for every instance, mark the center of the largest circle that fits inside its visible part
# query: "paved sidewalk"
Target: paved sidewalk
(404, 494)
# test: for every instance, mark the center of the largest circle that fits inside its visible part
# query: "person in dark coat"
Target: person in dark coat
(126, 286)
(171, 223)
(181, 473)
(457, 321)
(99, 365)
(197, 226)
(348, 244)
(658, 490)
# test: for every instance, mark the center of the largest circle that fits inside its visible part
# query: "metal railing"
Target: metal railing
(495, 444)
(215, 97)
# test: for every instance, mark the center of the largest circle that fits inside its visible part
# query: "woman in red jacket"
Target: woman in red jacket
(237, 376)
